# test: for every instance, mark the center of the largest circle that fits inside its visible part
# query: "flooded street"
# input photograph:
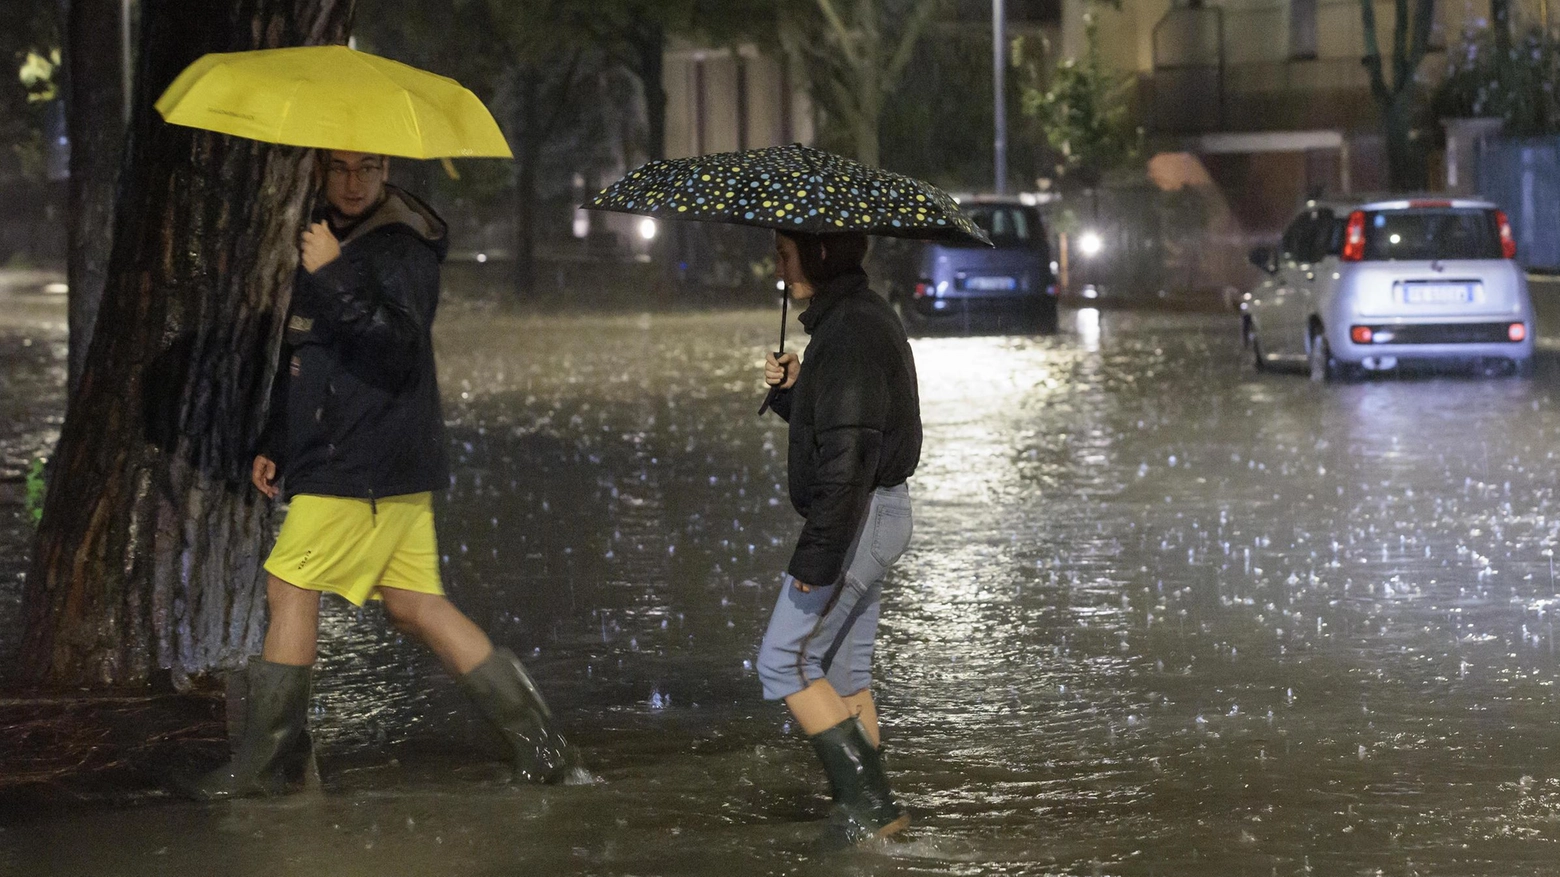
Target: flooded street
(1162, 615)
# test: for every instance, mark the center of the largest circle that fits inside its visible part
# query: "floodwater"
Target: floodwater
(1162, 616)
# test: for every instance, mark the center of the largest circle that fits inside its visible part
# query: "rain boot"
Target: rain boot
(864, 807)
(505, 695)
(275, 745)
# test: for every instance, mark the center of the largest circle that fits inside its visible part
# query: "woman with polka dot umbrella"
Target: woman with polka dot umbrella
(794, 189)
(853, 416)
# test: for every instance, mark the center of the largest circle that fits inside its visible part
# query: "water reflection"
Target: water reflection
(1162, 616)
(1087, 321)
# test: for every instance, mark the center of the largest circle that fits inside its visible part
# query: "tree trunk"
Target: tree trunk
(864, 125)
(1407, 169)
(1500, 22)
(148, 556)
(650, 47)
(94, 104)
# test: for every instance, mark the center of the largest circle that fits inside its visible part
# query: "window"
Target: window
(1420, 235)
(1297, 238)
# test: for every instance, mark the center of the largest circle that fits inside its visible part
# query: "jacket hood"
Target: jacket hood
(402, 208)
(830, 293)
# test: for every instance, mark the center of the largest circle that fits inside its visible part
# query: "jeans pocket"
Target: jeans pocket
(891, 528)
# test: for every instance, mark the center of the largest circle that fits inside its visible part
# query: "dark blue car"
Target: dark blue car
(957, 287)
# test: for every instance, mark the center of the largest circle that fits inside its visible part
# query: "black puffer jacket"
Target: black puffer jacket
(855, 420)
(355, 408)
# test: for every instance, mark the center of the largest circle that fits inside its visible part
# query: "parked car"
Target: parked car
(1371, 285)
(955, 286)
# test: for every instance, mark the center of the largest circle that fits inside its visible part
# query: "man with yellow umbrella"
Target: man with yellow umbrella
(356, 438)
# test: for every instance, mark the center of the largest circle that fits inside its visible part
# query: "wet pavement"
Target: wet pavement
(1162, 616)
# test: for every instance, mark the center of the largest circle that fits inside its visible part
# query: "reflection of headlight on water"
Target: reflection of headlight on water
(647, 228)
(1088, 322)
(1090, 244)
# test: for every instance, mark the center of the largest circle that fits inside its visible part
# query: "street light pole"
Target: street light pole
(999, 90)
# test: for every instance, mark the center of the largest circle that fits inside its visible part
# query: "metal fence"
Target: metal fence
(1522, 175)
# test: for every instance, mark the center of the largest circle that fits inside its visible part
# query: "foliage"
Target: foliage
(1516, 85)
(37, 75)
(36, 487)
(937, 124)
(852, 55)
(1085, 112)
(29, 44)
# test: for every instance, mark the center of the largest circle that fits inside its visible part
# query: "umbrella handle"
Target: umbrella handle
(769, 397)
(785, 307)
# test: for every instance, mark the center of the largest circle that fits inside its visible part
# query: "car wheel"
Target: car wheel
(1322, 365)
(1522, 368)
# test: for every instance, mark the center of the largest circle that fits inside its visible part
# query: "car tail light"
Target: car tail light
(923, 288)
(1361, 334)
(1508, 243)
(1354, 238)
(1430, 205)
(1517, 331)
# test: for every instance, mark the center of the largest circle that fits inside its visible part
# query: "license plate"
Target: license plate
(991, 283)
(1437, 293)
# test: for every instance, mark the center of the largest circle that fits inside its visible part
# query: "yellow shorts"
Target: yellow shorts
(341, 545)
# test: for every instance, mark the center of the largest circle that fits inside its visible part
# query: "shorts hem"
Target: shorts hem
(325, 588)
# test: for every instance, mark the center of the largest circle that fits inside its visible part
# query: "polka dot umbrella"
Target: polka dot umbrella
(790, 188)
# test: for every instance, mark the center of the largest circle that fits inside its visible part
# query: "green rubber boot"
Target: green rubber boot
(275, 745)
(505, 695)
(864, 806)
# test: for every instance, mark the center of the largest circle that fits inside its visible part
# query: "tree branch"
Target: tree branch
(919, 19)
(1402, 76)
(841, 32)
(1372, 59)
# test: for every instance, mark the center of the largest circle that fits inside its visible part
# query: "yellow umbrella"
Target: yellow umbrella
(333, 97)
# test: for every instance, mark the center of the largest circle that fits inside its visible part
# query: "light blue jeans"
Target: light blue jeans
(828, 632)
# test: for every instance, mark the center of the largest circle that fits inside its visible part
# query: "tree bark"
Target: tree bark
(148, 555)
(649, 47)
(1407, 166)
(94, 105)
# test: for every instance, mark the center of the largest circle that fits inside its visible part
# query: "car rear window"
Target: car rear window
(1007, 226)
(1439, 233)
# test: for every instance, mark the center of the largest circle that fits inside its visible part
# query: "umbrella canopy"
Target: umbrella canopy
(333, 97)
(790, 188)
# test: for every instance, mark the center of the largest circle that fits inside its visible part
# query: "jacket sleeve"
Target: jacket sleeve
(849, 418)
(379, 307)
(780, 404)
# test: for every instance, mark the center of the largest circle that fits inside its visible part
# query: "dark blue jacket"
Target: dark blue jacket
(855, 420)
(355, 407)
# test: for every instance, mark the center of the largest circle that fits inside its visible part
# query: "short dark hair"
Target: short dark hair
(827, 256)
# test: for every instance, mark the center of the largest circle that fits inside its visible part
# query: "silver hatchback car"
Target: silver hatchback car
(1364, 286)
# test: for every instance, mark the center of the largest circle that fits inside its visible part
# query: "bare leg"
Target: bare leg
(294, 626)
(818, 707)
(459, 644)
(861, 706)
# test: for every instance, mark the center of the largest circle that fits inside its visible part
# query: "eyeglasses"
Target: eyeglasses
(362, 173)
